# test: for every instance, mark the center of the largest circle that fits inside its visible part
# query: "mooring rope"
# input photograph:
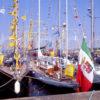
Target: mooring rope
(90, 97)
(6, 83)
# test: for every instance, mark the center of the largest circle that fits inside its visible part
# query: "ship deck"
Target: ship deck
(9, 72)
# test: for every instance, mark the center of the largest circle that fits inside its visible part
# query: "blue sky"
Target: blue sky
(49, 19)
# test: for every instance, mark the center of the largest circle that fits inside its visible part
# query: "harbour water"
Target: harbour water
(33, 88)
(29, 88)
(41, 89)
(7, 91)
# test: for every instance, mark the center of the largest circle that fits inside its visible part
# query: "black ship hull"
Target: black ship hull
(48, 80)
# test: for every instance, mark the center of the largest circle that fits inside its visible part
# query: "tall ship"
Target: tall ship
(53, 66)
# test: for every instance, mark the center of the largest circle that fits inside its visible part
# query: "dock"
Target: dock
(93, 95)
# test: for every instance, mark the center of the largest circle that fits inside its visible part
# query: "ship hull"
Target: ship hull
(56, 83)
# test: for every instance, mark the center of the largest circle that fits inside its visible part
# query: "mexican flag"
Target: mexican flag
(85, 68)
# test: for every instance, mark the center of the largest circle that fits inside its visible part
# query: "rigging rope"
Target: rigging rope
(76, 16)
(13, 79)
(91, 95)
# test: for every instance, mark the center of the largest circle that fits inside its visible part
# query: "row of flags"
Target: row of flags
(2, 11)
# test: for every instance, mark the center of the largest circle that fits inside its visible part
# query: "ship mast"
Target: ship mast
(39, 28)
(14, 29)
(39, 4)
(23, 39)
(92, 25)
(58, 44)
(66, 35)
(91, 15)
(30, 43)
(60, 38)
(23, 31)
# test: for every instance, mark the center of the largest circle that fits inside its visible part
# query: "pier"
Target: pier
(93, 95)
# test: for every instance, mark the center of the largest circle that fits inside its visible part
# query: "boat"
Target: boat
(46, 71)
(50, 69)
(43, 67)
(12, 60)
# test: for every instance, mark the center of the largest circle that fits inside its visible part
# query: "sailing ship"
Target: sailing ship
(52, 70)
(12, 62)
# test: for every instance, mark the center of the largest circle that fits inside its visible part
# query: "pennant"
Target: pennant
(69, 70)
(15, 0)
(52, 53)
(17, 55)
(23, 18)
(12, 37)
(1, 59)
(12, 44)
(13, 13)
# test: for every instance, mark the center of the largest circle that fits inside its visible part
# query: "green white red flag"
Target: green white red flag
(85, 74)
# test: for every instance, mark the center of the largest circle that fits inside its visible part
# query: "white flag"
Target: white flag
(2, 11)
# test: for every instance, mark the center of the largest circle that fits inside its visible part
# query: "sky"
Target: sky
(49, 20)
